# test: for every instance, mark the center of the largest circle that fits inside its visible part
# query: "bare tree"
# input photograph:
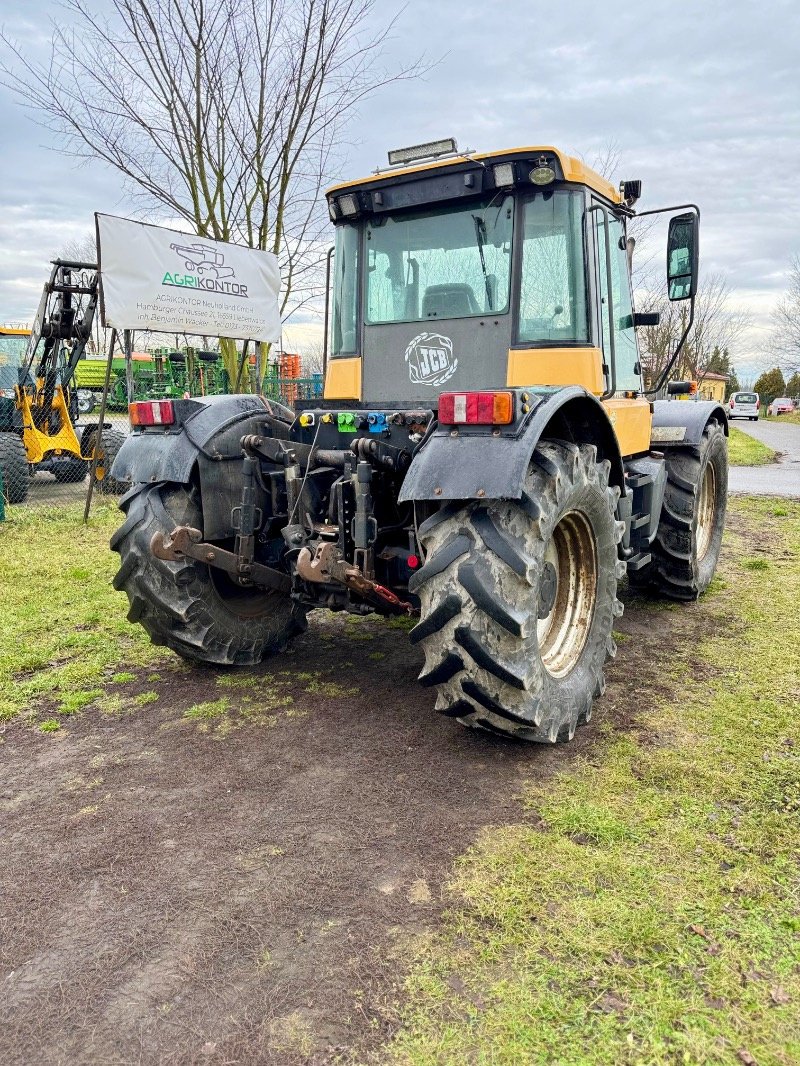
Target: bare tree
(717, 324)
(785, 338)
(312, 358)
(224, 113)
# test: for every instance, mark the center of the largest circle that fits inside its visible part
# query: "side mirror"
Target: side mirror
(683, 248)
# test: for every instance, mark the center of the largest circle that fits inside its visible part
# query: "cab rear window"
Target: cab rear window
(745, 397)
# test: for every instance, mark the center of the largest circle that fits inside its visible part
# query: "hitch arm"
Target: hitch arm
(186, 542)
(325, 564)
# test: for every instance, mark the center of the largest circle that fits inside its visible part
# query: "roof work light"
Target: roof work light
(542, 173)
(348, 205)
(429, 150)
(503, 175)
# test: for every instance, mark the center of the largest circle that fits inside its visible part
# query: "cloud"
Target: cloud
(701, 99)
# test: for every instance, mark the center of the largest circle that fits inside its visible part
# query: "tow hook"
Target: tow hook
(326, 564)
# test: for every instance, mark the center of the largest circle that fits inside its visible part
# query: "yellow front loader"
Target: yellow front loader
(39, 428)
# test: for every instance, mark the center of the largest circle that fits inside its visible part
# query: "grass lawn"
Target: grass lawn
(63, 630)
(645, 910)
(651, 912)
(744, 450)
(794, 418)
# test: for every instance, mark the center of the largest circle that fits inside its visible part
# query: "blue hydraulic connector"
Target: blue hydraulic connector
(376, 420)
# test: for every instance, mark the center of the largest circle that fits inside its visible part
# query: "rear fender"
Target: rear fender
(206, 445)
(479, 465)
(171, 455)
(677, 423)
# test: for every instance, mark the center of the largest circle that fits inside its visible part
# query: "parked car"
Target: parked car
(781, 406)
(744, 405)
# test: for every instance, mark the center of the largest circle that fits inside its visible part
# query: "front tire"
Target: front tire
(185, 605)
(689, 538)
(71, 471)
(518, 599)
(111, 440)
(14, 465)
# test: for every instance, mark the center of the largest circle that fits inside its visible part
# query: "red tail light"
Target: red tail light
(758, 405)
(731, 403)
(476, 408)
(151, 413)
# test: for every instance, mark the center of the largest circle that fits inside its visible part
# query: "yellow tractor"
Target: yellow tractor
(39, 411)
(486, 457)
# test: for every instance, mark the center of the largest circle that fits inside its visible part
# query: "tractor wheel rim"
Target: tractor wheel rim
(706, 509)
(563, 632)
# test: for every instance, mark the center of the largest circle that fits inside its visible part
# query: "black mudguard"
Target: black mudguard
(476, 464)
(171, 455)
(677, 423)
(207, 441)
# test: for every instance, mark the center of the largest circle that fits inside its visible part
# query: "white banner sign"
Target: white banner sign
(160, 279)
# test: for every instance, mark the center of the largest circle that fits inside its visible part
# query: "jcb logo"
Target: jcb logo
(430, 359)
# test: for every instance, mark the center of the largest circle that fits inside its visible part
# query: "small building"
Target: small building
(713, 387)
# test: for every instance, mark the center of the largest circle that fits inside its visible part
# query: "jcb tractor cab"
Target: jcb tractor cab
(485, 458)
(39, 428)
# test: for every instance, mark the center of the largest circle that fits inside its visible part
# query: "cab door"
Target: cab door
(628, 410)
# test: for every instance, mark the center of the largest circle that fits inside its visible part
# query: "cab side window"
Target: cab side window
(627, 352)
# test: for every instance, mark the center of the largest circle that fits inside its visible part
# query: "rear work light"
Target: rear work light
(476, 408)
(151, 413)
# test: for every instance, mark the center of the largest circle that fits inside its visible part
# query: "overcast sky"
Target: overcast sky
(701, 98)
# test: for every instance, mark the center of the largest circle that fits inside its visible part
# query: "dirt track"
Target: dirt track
(180, 896)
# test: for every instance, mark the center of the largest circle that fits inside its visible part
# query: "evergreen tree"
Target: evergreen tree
(793, 386)
(770, 384)
(719, 362)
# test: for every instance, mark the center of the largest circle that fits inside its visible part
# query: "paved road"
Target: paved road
(777, 479)
(782, 436)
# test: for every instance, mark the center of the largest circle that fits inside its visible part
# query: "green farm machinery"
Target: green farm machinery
(161, 374)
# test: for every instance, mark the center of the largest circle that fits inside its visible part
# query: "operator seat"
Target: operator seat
(449, 301)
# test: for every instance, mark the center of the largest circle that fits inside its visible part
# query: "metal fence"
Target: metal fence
(60, 476)
(37, 472)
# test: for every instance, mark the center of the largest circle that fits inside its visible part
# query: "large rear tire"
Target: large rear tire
(689, 538)
(14, 465)
(518, 599)
(190, 608)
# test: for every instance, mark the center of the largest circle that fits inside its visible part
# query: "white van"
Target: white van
(744, 405)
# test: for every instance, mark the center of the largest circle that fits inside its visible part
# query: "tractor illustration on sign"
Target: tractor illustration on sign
(203, 259)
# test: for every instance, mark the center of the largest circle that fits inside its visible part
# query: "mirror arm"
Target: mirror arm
(665, 210)
(612, 388)
(659, 385)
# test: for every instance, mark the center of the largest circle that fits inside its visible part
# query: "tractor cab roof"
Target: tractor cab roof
(459, 175)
